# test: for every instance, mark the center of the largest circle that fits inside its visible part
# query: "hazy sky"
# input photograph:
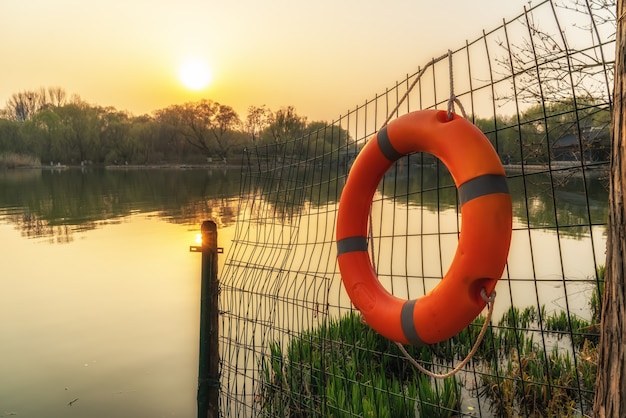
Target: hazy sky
(323, 57)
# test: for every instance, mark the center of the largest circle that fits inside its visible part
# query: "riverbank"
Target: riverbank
(210, 166)
(13, 160)
(55, 167)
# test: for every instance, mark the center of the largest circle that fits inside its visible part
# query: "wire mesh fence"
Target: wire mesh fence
(292, 344)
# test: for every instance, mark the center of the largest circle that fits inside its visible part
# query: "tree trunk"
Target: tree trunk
(610, 397)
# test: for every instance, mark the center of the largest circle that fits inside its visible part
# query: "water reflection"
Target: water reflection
(286, 195)
(111, 319)
(56, 204)
(562, 199)
(118, 313)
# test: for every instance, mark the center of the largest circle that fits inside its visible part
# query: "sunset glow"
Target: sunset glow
(143, 55)
(195, 74)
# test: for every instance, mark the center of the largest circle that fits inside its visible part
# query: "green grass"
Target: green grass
(536, 383)
(595, 303)
(581, 331)
(345, 369)
(441, 398)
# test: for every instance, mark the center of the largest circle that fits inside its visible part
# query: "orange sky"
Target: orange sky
(323, 57)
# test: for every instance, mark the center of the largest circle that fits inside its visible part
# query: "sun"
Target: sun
(194, 73)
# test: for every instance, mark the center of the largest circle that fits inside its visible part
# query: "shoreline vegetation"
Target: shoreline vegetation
(11, 160)
(53, 127)
(15, 160)
(23, 161)
(331, 370)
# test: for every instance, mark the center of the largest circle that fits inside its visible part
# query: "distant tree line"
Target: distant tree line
(537, 135)
(57, 128)
(54, 127)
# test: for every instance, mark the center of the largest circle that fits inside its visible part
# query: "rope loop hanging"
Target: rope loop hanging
(483, 330)
(453, 99)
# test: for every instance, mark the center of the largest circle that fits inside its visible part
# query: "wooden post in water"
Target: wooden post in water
(208, 364)
(610, 394)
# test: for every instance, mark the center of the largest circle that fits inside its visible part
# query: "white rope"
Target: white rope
(490, 302)
(452, 95)
(451, 102)
(406, 94)
(453, 99)
(390, 116)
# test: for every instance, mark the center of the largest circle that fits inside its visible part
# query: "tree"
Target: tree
(285, 125)
(284, 128)
(25, 104)
(144, 134)
(114, 136)
(323, 140)
(223, 123)
(80, 132)
(257, 120)
(543, 65)
(503, 133)
(21, 106)
(205, 125)
(610, 397)
(43, 135)
(10, 140)
(541, 125)
(57, 96)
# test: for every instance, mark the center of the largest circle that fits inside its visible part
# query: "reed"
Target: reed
(344, 369)
(438, 399)
(595, 302)
(14, 160)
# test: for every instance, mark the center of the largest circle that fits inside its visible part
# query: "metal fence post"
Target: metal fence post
(208, 364)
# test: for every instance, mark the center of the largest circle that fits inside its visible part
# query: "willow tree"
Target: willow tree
(610, 398)
(206, 125)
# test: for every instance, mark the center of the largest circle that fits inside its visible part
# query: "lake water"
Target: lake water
(99, 294)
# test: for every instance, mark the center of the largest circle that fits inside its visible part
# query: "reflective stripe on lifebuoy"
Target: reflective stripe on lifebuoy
(484, 239)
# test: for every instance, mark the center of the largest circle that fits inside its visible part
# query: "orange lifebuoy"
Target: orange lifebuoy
(484, 238)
